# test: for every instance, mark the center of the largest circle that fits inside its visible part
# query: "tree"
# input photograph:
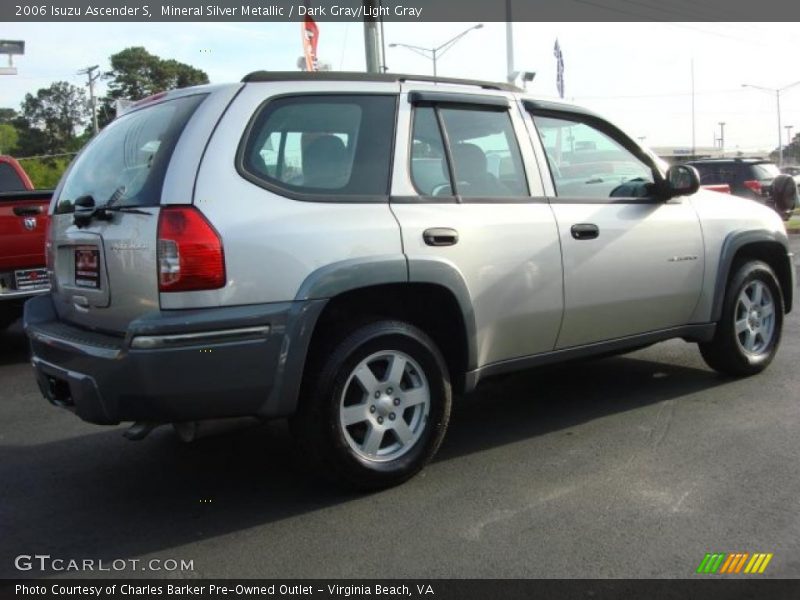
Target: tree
(7, 115)
(8, 138)
(49, 119)
(791, 152)
(136, 74)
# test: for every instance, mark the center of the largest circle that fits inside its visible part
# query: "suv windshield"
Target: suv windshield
(125, 164)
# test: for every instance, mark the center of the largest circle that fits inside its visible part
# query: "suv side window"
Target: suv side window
(486, 159)
(588, 163)
(430, 172)
(322, 147)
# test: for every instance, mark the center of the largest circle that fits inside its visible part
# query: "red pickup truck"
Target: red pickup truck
(23, 226)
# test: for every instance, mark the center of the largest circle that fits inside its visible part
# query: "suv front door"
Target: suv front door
(633, 263)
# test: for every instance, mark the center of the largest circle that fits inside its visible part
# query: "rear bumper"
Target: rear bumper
(174, 366)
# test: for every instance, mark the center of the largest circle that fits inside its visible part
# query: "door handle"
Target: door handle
(27, 211)
(440, 236)
(585, 231)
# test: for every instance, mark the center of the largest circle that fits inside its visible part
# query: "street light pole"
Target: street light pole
(722, 139)
(435, 53)
(777, 92)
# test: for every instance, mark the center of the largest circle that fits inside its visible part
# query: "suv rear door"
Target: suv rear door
(633, 263)
(469, 199)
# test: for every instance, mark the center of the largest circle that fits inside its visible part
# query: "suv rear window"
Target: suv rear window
(765, 171)
(712, 174)
(125, 164)
(322, 147)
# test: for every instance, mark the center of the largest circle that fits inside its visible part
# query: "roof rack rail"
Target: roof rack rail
(261, 76)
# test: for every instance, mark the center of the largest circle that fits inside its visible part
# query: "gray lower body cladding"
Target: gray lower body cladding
(196, 364)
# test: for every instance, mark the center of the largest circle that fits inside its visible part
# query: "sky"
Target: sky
(638, 75)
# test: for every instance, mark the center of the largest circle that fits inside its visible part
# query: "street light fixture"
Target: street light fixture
(777, 92)
(435, 53)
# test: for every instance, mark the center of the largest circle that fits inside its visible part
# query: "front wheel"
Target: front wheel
(749, 331)
(376, 405)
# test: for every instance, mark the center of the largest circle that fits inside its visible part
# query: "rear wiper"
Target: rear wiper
(85, 210)
(127, 209)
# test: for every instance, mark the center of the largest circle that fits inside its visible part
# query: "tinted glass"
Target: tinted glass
(587, 163)
(9, 180)
(125, 164)
(715, 173)
(323, 145)
(486, 157)
(429, 170)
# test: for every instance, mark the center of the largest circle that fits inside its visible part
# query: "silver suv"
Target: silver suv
(350, 251)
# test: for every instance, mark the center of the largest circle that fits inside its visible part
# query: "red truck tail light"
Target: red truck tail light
(190, 253)
(753, 185)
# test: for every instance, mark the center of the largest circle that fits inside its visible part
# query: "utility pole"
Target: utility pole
(510, 76)
(372, 43)
(694, 146)
(89, 72)
(777, 93)
(788, 129)
(722, 138)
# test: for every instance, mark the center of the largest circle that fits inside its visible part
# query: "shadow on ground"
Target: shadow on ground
(98, 495)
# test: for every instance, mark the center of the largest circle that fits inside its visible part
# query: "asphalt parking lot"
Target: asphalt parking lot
(631, 466)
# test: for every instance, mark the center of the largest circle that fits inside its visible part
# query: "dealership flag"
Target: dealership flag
(310, 38)
(560, 69)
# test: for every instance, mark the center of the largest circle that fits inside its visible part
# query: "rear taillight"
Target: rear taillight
(753, 185)
(190, 254)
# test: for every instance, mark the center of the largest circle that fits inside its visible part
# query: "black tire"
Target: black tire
(330, 382)
(726, 353)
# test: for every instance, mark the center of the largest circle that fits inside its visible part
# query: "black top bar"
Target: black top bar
(495, 102)
(260, 76)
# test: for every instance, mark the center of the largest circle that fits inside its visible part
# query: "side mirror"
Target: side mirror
(682, 180)
(784, 195)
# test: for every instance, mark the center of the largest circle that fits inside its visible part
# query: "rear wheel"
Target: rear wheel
(749, 332)
(376, 406)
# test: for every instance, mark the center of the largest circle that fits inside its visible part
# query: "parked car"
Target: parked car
(747, 177)
(335, 248)
(794, 171)
(23, 223)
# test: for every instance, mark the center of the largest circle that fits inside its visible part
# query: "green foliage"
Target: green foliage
(7, 115)
(49, 119)
(8, 138)
(136, 74)
(45, 172)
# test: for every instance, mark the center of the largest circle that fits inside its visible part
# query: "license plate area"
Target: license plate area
(87, 267)
(31, 279)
